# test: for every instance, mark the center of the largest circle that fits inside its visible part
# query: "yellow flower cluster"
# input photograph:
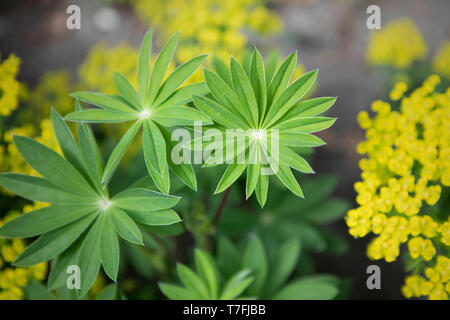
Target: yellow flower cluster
(209, 26)
(435, 284)
(12, 280)
(97, 70)
(407, 166)
(9, 86)
(441, 61)
(11, 158)
(399, 44)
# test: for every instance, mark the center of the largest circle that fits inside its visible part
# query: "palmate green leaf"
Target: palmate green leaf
(155, 156)
(192, 282)
(43, 220)
(281, 78)
(307, 289)
(222, 70)
(183, 171)
(49, 245)
(228, 257)
(109, 247)
(236, 285)
(253, 169)
(89, 257)
(125, 226)
(220, 114)
(179, 76)
(299, 139)
(175, 292)
(327, 212)
(52, 166)
(255, 259)
(101, 116)
(38, 189)
(258, 81)
(119, 151)
(283, 102)
(184, 94)
(36, 291)
(244, 92)
(143, 68)
(179, 116)
(58, 276)
(208, 271)
(282, 265)
(306, 125)
(161, 65)
(155, 218)
(231, 174)
(262, 186)
(271, 66)
(294, 161)
(144, 200)
(309, 108)
(126, 90)
(103, 101)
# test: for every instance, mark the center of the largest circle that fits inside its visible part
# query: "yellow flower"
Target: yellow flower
(441, 61)
(9, 86)
(399, 44)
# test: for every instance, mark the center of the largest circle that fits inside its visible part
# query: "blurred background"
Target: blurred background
(330, 35)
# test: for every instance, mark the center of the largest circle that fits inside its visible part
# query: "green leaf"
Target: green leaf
(228, 257)
(282, 266)
(285, 175)
(43, 220)
(281, 79)
(144, 200)
(262, 186)
(258, 81)
(231, 174)
(223, 93)
(49, 245)
(144, 65)
(222, 70)
(155, 156)
(271, 65)
(294, 161)
(253, 170)
(254, 259)
(89, 258)
(236, 285)
(100, 116)
(125, 226)
(109, 103)
(119, 151)
(108, 293)
(179, 116)
(66, 141)
(174, 292)
(38, 189)
(299, 139)
(219, 113)
(155, 218)
(192, 282)
(177, 77)
(109, 247)
(36, 291)
(289, 97)
(208, 271)
(127, 91)
(161, 65)
(52, 166)
(183, 171)
(310, 108)
(327, 212)
(306, 125)
(244, 91)
(58, 275)
(307, 289)
(184, 94)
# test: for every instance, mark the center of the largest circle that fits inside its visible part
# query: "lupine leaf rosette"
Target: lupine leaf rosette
(258, 104)
(82, 224)
(157, 105)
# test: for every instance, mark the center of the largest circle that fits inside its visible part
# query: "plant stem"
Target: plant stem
(219, 211)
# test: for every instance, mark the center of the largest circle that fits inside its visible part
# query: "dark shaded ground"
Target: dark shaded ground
(330, 34)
